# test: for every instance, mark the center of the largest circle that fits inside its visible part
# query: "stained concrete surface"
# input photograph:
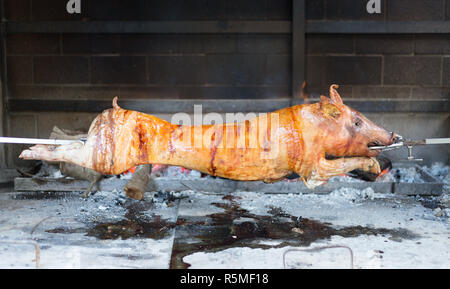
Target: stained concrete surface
(209, 230)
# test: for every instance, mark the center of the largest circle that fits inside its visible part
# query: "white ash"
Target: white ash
(439, 171)
(404, 175)
(106, 206)
(442, 173)
(47, 170)
(103, 206)
(57, 174)
(352, 194)
(180, 173)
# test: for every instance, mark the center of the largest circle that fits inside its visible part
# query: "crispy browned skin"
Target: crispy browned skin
(295, 139)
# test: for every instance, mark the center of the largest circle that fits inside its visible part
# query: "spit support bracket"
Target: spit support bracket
(409, 144)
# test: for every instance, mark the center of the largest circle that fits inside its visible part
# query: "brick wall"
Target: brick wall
(76, 66)
(380, 66)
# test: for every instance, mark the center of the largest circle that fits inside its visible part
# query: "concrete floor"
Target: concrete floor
(201, 230)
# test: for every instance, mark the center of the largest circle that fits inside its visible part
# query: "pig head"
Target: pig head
(349, 132)
(339, 139)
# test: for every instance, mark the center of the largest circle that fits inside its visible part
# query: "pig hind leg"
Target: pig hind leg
(72, 153)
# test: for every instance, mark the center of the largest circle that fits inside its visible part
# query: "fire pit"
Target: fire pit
(404, 179)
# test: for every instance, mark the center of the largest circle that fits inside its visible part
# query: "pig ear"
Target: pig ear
(330, 110)
(334, 95)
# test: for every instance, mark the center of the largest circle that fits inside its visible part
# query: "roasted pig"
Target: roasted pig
(316, 141)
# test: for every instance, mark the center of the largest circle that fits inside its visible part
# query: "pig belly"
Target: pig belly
(236, 164)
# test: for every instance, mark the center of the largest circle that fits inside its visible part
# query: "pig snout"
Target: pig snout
(396, 138)
(393, 138)
(382, 138)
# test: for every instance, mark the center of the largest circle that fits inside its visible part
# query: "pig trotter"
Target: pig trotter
(136, 187)
(93, 183)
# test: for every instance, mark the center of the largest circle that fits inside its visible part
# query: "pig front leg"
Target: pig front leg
(331, 168)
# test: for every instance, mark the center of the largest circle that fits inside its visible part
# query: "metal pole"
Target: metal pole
(298, 47)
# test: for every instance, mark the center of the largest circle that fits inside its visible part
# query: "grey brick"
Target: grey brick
(384, 44)
(35, 91)
(315, 9)
(17, 10)
(20, 69)
(365, 92)
(220, 44)
(446, 72)
(149, 44)
(32, 44)
(414, 10)
(106, 43)
(316, 44)
(278, 70)
(191, 43)
(79, 121)
(20, 125)
(353, 70)
(48, 10)
(315, 71)
(247, 10)
(432, 44)
(412, 70)
(180, 10)
(76, 44)
(279, 10)
(351, 10)
(177, 69)
(235, 69)
(123, 10)
(447, 4)
(264, 44)
(216, 10)
(431, 93)
(118, 69)
(91, 44)
(227, 92)
(157, 10)
(148, 92)
(200, 10)
(201, 92)
(61, 69)
(90, 92)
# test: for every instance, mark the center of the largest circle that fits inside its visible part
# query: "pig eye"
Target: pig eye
(358, 122)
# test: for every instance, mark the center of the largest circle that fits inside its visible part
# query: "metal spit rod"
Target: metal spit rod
(20, 140)
(411, 143)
